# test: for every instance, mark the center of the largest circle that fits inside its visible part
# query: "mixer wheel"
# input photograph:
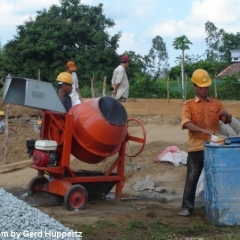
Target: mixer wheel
(76, 197)
(35, 184)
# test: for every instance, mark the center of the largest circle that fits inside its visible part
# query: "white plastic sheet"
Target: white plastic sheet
(173, 155)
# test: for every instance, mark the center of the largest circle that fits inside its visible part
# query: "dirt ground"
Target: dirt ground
(145, 206)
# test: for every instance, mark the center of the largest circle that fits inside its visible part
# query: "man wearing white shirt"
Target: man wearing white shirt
(75, 95)
(120, 82)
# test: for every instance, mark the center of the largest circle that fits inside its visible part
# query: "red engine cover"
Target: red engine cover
(40, 158)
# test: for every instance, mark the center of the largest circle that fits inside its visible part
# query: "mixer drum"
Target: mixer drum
(99, 128)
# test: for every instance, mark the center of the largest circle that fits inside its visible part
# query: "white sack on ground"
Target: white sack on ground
(173, 155)
(148, 183)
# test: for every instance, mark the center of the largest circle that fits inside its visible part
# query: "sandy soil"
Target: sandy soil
(162, 131)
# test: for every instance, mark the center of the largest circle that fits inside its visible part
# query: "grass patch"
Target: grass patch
(157, 230)
(87, 229)
(136, 224)
(105, 223)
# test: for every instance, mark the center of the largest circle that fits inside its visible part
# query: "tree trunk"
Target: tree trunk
(7, 135)
(183, 76)
(39, 75)
(92, 89)
(104, 86)
(168, 88)
(185, 89)
(215, 86)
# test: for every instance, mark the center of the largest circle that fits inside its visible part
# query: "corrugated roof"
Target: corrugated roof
(232, 69)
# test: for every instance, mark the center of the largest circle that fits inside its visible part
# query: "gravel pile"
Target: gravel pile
(18, 220)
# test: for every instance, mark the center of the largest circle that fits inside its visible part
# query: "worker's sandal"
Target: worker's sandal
(184, 212)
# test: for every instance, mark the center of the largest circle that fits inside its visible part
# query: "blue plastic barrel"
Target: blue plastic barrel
(222, 184)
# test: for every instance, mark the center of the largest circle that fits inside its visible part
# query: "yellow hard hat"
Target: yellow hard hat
(2, 113)
(201, 78)
(65, 77)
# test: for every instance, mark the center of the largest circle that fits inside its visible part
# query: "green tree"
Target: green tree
(213, 68)
(2, 72)
(71, 31)
(192, 58)
(138, 64)
(182, 43)
(230, 41)
(159, 56)
(213, 41)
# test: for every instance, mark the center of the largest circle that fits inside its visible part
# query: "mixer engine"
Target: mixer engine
(43, 153)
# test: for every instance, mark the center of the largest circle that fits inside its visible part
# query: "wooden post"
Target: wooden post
(168, 89)
(185, 88)
(7, 135)
(215, 86)
(178, 82)
(39, 78)
(92, 89)
(104, 86)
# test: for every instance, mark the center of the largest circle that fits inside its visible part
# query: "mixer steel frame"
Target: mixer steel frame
(63, 176)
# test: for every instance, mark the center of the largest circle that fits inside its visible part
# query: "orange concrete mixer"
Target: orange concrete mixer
(91, 131)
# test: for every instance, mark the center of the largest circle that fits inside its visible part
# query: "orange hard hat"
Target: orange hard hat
(71, 66)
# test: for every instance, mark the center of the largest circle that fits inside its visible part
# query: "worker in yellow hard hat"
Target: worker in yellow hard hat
(201, 117)
(2, 123)
(64, 88)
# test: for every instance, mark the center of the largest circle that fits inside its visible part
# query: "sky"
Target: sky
(140, 21)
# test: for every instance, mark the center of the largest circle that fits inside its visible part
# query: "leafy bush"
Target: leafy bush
(229, 88)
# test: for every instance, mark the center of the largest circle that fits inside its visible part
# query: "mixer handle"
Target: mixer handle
(136, 139)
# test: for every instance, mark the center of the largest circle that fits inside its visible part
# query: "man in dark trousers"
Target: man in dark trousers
(201, 117)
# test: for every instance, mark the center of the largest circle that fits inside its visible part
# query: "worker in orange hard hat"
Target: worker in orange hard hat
(201, 117)
(75, 94)
(2, 123)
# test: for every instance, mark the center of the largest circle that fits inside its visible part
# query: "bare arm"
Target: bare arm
(191, 126)
(116, 86)
(225, 117)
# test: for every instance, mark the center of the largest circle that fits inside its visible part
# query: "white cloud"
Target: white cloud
(143, 9)
(224, 14)
(224, 11)
(15, 13)
(167, 28)
(128, 42)
(169, 10)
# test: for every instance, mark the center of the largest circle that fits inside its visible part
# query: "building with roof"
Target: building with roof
(234, 68)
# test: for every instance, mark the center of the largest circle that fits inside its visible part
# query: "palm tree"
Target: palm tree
(182, 43)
